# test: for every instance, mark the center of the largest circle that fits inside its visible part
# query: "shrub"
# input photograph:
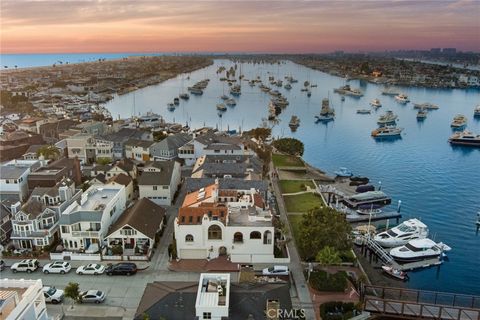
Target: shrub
(117, 250)
(347, 256)
(323, 281)
(337, 310)
(172, 249)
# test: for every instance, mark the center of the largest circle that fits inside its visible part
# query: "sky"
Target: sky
(284, 26)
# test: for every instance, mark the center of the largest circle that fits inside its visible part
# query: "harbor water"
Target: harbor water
(436, 182)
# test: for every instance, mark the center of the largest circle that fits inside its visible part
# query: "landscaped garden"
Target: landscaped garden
(292, 186)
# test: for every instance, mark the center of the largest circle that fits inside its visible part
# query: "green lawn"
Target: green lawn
(295, 221)
(302, 202)
(291, 186)
(281, 160)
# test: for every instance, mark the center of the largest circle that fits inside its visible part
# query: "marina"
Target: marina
(389, 161)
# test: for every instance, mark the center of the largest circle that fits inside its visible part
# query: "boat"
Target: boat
(195, 91)
(388, 131)
(390, 92)
(421, 115)
(465, 138)
(425, 106)
(224, 97)
(388, 118)
(402, 98)
(170, 106)
(476, 111)
(401, 234)
(294, 122)
(355, 93)
(459, 121)
(288, 86)
(342, 98)
(313, 86)
(236, 90)
(306, 83)
(231, 102)
(376, 103)
(343, 172)
(367, 199)
(369, 211)
(275, 93)
(326, 113)
(363, 111)
(309, 93)
(402, 275)
(176, 101)
(221, 107)
(279, 83)
(184, 96)
(418, 250)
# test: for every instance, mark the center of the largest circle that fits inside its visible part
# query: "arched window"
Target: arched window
(255, 235)
(267, 237)
(238, 237)
(214, 233)
(188, 238)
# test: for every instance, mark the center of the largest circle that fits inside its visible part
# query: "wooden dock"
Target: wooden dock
(354, 217)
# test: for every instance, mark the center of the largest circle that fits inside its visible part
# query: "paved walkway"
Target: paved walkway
(304, 300)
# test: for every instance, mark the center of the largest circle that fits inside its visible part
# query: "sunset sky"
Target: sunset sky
(47, 26)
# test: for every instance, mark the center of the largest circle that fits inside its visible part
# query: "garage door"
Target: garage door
(193, 254)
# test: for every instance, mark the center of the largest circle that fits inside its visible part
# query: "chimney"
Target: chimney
(77, 171)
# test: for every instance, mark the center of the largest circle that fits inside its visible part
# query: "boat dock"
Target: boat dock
(354, 217)
(372, 247)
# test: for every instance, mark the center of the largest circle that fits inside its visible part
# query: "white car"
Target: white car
(26, 265)
(93, 296)
(53, 295)
(57, 267)
(92, 268)
(276, 271)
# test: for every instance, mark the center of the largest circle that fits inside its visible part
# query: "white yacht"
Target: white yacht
(388, 118)
(401, 234)
(459, 121)
(476, 111)
(402, 98)
(376, 103)
(419, 249)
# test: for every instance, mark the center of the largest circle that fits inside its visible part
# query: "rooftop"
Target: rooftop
(96, 198)
(213, 290)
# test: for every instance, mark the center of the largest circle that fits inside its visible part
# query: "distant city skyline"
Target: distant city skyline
(48, 26)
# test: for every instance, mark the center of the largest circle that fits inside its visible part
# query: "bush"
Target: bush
(337, 310)
(289, 146)
(117, 250)
(347, 256)
(323, 281)
(172, 249)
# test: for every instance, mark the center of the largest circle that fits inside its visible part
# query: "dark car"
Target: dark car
(124, 269)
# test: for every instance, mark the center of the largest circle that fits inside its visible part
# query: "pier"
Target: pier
(354, 217)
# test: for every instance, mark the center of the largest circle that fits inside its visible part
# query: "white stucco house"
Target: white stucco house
(213, 296)
(22, 299)
(159, 181)
(237, 223)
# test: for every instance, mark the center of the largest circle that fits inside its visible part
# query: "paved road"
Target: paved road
(303, 294)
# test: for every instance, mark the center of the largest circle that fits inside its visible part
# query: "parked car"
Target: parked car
(20, 251)
(53, 295)
(57, 267)
(123, 268)
(26, 265)
(2, 265)
(276, 271)
(92, 268)
(92, 296)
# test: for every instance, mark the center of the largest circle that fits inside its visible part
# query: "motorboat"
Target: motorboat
(288, 86)
(388, 131)
(224, 97)
(343, 172)
(364, 111)
(388, 118)
(326, 112)
(355, 93)
(221, 107)
(401, 275)
(425, 106)
(402, 98)
(294, 122)
(401, 234)
(279, 83)
(369, 212)
(184, 96)
(390, 92)
(459, 121)
(421, 115)
(231, 102)
(313, 86)
(236, 90)
(195, 91)
(419, 249)
(176, 101)
(275, 93)
(306, 83)
(476, 111)
(170, 106)
(342, 98)
(465, 138)
(309, 93)
(376, 103)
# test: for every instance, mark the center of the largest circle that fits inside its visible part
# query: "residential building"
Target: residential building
(138, 150)
(215, 222)
(14, 144)
(13, 177)
(52, 173)
(22, 299)
(136, 228)
(167, 149)
(87, 149)
(248, 167)
(123, 135)
(5, 221)
(194, 184)
(85, 223)
(213, 296)
(159, 181)
(35, 224)
(124, 180)
(125, 166)
(211, 143)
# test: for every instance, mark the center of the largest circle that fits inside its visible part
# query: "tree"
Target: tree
(49, 152)
(260, 133)
(322, 227)
(72, 291)
(159, 135)
(289, 146)
(328, 256)
(103, 160)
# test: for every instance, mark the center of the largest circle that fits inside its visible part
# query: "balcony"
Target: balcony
(85, 234)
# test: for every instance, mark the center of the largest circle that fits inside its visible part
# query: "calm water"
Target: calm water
(437, 183)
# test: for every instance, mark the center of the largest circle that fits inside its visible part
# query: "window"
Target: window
(238, 237)
(267, 237)
(207, 315)
(188, 238)
(154, 187)
(165, 187)
(214, 233)
(255, 235)
(190, 219)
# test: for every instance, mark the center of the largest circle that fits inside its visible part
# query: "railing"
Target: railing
(87, 234)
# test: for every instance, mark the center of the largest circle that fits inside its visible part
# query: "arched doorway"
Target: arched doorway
(222, 251)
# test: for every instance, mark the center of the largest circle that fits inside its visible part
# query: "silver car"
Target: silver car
(92, 296)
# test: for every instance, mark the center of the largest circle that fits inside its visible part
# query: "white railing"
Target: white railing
(77, 256)
(86, 234)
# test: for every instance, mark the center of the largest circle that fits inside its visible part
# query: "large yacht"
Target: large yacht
(402, 98)
(221, 107)
(326, 113)
(388, 118)
(425, 106)
(294, 122)
(465, 138)
(388, 131)
(419, 249)
(476, 112)
(459, 121)
(401, 234)
(376, 103)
